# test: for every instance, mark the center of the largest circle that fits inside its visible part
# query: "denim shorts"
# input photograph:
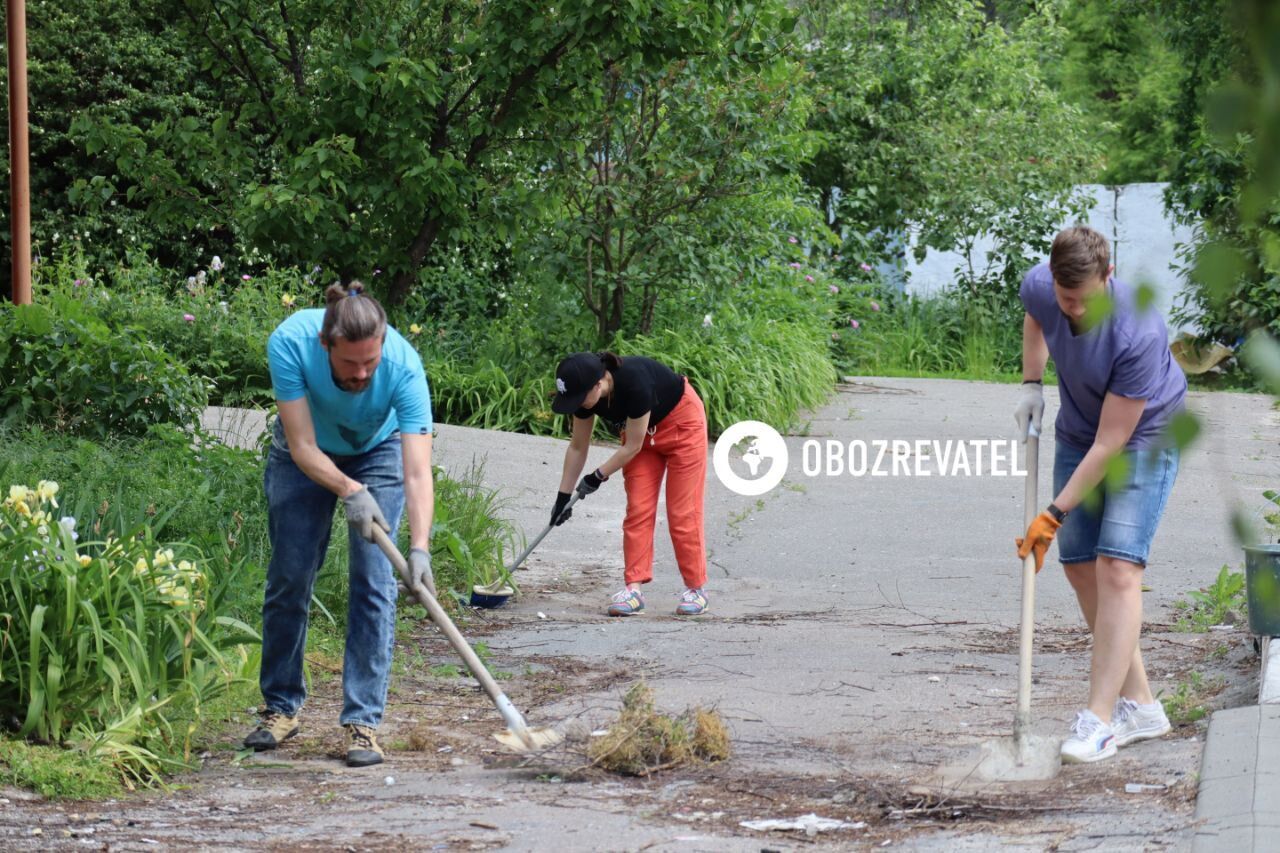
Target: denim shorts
(1119, 520)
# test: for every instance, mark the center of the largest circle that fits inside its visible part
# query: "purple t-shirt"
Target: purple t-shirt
(1126, 354)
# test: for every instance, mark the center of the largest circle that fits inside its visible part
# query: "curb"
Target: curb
(1269, 683)
(1238, 804)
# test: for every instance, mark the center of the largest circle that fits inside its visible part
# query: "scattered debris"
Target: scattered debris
(809, 824)
(644, 741)
(1139, 788)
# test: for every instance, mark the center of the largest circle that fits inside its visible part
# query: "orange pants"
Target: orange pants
(678, 449)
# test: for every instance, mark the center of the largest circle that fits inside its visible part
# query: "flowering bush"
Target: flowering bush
(64, 368)
(110, 646)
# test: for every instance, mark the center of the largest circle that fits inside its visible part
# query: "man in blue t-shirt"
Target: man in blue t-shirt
(355, 423)
(1119, 388)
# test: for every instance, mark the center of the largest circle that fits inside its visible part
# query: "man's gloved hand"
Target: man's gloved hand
(1041, 532)
(562, 501)
(1030, 409)
(363, 513)
(591, 482)
(420, 570)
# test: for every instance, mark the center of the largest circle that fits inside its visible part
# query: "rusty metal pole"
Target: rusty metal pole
(19, 152)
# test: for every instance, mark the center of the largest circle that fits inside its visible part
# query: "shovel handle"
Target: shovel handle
(515, 721)
(1022, 720)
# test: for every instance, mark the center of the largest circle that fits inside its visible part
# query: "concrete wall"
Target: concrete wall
(1143, 241)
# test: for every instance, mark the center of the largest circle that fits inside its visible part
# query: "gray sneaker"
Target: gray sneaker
(1133, 722)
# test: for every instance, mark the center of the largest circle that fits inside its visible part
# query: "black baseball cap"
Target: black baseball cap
(575, 377)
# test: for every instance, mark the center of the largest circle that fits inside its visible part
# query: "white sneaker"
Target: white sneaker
(1133, 722)
(1091, 740)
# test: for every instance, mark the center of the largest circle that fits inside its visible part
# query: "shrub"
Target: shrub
(746, 367)
(64, 369)
(215, 322)
(114, 645)
(183, 486)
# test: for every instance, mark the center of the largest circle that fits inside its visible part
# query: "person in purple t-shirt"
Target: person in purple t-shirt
(1119, 388)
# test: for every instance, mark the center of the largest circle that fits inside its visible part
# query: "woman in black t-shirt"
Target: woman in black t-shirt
(663, 427)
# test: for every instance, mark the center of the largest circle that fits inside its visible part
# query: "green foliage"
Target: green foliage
(1189, 701)
(939, 121)
(200, 492)
(65, 369)
(945, 335)
(746, 366)
(215, 322)
(360, 135)
(1222, 602)
(658, 172)
(116, 62)
(468, 534)
(1226, 181)
(114, 644)
(57, 773)
(1119, 65)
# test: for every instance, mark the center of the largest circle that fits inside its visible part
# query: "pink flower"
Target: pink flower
(808, 278)
(245, 277)
(853, 324)
(875, 306)
(190, 318)
(834, 289)
(864, 266)
(792, 240)
(377, 272)
(795, 265)
(79, 282)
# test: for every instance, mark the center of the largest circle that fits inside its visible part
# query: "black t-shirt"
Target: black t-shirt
(639, 385)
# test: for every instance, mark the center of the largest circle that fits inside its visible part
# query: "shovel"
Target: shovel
(518, 736)
(1027, 755)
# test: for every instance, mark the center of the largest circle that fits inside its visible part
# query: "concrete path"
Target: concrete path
(865, 626)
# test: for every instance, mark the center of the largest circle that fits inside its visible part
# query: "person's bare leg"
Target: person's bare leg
(1117, 625)
(1083, 579)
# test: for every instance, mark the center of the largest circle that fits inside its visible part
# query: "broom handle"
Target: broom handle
(1022, 720)
(515, 721)
(543, 534)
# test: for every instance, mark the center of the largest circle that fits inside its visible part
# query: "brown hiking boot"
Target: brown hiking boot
(273, 729)
(362, 746)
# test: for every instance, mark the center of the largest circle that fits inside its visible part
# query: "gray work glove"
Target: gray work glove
(1030, 409)
(363, 513)
(420, 571)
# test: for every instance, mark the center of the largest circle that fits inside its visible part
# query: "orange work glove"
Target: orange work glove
(1039, 535)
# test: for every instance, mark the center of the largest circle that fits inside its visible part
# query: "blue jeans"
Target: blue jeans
(1123, 520)
(300, 516)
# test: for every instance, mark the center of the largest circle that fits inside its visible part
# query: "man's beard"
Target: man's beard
(351, 386)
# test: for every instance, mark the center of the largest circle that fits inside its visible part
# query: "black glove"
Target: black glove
(562, 501)
(590, 483)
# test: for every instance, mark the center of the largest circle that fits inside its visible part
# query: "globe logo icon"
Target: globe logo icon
(762, 458)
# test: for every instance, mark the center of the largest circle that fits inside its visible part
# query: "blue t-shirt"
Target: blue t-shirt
(349, 423)
(1126, 354)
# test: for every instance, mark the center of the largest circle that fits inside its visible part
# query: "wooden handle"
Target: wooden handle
(444, 623)
(1022, 719)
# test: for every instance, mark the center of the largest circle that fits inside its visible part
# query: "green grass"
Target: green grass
(58, 773)
(1222, 601)
(1189, 702)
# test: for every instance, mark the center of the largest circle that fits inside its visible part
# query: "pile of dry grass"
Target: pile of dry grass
(643, 740)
